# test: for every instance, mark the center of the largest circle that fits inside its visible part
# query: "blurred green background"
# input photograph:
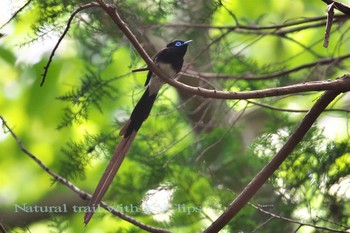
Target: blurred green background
(192, 154)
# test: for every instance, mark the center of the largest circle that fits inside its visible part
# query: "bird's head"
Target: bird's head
(178, 46)
(178, 43)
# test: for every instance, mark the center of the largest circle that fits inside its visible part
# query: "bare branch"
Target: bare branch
(83, 7)
(278, 91)
(293, 110)
(261, 178)
(295, 221)
(325, 61)
(275, 108)
(330, 16)
(81, 193)
(2, 228)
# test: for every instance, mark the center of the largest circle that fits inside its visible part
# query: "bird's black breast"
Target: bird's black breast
(170, 57)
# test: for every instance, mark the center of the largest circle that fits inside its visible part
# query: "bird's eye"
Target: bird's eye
(177, 44)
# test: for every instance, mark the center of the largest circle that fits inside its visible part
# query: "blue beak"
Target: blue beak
(187, 42)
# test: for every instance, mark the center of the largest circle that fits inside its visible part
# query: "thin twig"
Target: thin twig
(246, 27)
(325, 61)
(83, 7)
(223, 135)
(261, 30)
(81, 193)
(262, 224)
(295, 221)
(330, 16)
(140, 69)
(293, 110)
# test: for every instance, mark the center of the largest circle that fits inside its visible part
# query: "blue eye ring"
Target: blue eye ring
(177, 44)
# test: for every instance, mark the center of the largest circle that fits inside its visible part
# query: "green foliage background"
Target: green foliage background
(72, 122)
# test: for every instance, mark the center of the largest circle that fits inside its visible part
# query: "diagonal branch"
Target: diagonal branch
(83, 195)
(261, 178)
(2, 228)
(83, 7)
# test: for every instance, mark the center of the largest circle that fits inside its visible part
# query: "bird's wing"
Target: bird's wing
(150, 73)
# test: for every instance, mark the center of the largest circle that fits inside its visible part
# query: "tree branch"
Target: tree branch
(83, 7)
(295, 221)
(261, 178)
(2, 228)
(330, 16)
(294, 110)
(342, 84)
(253, 28)
(325, 61)
(83, 195)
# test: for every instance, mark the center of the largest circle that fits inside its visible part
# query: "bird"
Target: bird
(170, 61)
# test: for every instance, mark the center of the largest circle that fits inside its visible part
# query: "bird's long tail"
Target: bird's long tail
(129, 131)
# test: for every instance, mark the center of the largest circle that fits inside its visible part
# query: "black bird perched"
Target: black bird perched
(170, 60)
